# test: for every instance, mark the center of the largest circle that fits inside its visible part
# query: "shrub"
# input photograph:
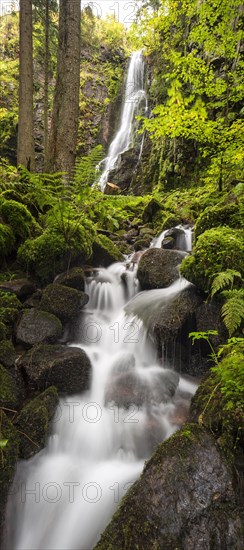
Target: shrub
(216, 250)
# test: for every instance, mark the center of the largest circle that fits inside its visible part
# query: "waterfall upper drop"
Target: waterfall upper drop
(134, 100)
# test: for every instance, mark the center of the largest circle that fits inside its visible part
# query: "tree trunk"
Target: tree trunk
(25, 147)
(64, 128)
(46, 82)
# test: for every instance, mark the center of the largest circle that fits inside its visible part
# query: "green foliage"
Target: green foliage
(216, 250)
(230, 374)
(233, 309)
(223, 279)
(7, 240)
(227, 214)
(18, 217)
(86, 167)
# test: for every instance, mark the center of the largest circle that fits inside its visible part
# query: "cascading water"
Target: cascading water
(183, 239)
(63, 498)
(135, 97)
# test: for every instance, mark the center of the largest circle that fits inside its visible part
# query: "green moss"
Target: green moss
(52, 252)
(170, 221)
(105, 251)
(18, 217)
(8, 459)
(229, 214)
(7, 240)
(63, 301)
(216, 250)
(3, 331)
(218, 403)
(9, 310)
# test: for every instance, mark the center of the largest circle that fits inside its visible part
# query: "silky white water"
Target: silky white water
(134, 98)
(63, 498)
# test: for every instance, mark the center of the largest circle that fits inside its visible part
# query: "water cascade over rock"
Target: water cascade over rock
(63, 498)
(134, 103)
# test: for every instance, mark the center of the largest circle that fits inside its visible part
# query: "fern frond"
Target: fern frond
(223, 279)
(233, 310)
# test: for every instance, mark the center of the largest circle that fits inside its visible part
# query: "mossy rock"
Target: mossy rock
(19, 218)
(33, 422)
(9, 395)
(64, 302)
(22, 288)
(8, 459)
(216, 250)
(151, 210)
(142, 244)
(73, 278)
(9, 311)
(105, 252)
(186, 492)
(170, 221)
(7, 240)
(7, 353)
(229, 214)
(51, 253)
(3, 331)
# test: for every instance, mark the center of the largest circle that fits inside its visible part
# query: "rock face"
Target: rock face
(122, 175)
(184, 499)
(33, 422)
(64, 302)
(66, 368)
(158, 268)
(36, 327)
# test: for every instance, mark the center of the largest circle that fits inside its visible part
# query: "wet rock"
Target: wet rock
(184, 499)
(37, 326)
(33, 300)
(131, 236)
(123, 173)
(66, 368)
(142, 244)
(126, 389)
(64, 302)
(146, 232)
(74, 278)
(20, 287)
(168, 243)
(9, 456)
(158, 268)
(33, 422)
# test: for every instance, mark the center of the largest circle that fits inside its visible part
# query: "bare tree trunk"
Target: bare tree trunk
(46, 82)
(64, 129)
(25, 147)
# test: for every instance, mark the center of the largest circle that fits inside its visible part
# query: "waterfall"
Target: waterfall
(183, 239)
(134, 96)
(63, 497)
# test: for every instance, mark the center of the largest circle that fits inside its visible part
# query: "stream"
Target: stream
(64, 496)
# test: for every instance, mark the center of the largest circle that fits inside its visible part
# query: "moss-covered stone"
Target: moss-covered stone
(105, 252)
(74, 278)
(186, 493)
(8, 458)
(170, 221)
(228, 214)
(151, 210)
(7, 353)
(7, 240)
(22, 288)
(3, 331)
(33, 422)
(64, 302)
(9, 395)
(18, 217)
(9, 311)
(216, 250)
(142, 244)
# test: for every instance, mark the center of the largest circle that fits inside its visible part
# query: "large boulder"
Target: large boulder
(66, 368)
(74, 278)
(158, 268)
(33, 422)
(64, 302)
(184, 499)
(37, 326)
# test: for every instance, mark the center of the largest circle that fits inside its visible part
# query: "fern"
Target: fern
(233, 309)
(86, 167)
(223, 279)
